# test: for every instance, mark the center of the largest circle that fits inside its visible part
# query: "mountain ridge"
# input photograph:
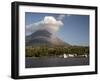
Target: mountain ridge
(44, 37)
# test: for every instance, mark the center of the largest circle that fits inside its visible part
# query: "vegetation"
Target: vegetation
(44, 50)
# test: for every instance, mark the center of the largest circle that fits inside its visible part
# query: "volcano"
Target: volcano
(43, 37)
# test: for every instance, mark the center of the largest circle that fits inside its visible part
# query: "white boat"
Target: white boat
(70, 55)
(65, 56)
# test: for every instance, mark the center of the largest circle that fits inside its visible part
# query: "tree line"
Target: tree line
(41, 51)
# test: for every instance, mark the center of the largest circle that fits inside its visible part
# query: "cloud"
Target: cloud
(61, 17)
(49, 23)
(68, 15)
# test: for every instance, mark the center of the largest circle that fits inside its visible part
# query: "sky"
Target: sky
(73, 29)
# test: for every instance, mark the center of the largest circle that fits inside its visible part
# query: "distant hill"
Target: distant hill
(44, 37)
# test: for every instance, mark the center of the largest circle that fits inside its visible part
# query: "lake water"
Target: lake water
(55, 62)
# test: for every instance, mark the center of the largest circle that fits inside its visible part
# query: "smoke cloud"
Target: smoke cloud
(49, 23)
(61, 17)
